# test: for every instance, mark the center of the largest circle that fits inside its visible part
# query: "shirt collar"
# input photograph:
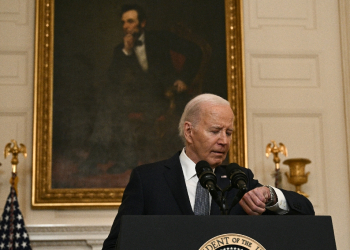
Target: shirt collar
(188, 166)
(142, 37)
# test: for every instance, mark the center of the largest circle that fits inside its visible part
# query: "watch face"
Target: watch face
(271, 201)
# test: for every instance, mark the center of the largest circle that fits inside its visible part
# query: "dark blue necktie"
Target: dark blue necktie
(201, 203)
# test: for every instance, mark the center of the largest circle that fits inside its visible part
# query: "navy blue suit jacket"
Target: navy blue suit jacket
(159, 189)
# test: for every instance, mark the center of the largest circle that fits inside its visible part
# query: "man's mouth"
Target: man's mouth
(219, 152)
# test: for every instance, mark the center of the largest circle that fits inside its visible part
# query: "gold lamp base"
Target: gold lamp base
(297, 175)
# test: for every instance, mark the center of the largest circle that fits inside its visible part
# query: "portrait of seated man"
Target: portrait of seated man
(149, 81)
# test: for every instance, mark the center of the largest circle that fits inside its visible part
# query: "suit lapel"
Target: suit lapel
(176, 181)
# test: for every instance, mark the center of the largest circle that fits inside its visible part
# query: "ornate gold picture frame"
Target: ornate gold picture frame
(47, 193)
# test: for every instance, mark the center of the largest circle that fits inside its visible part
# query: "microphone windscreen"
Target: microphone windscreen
(205, 173)
(232, 167)
(235, 174)
(202, 166)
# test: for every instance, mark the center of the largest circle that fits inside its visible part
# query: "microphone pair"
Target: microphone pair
(207, 179)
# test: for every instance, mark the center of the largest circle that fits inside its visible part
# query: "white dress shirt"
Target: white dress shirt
(140, 52)
(191, 179)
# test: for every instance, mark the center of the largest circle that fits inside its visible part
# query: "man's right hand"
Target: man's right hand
(129, 42)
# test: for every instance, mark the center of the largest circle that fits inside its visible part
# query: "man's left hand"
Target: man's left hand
(253, 202)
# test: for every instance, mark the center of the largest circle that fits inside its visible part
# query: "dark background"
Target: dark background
(85, 34)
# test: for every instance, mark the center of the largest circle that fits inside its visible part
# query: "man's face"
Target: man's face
(131, 24)
(210, 139)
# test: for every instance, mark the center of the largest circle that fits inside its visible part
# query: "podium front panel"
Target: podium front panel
(191, 232)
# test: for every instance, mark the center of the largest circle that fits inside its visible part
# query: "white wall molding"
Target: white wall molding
(13, 67)
(344, 14)
(14, 11)
(300, 13)
(67, 236)
(302, 134)
(284, 70)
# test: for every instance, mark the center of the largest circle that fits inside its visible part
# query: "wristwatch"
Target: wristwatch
(273, 198)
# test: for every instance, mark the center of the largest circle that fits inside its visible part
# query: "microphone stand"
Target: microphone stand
(242, 190)
(238, 197)
(220, 200)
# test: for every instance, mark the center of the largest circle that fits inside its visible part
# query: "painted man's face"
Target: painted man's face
(131, 24)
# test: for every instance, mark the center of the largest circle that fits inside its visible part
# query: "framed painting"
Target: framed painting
(98, 115)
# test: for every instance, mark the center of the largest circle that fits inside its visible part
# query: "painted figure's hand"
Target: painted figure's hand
(180, 86)
(129, 42)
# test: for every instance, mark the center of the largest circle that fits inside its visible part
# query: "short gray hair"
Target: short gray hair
(193, 110)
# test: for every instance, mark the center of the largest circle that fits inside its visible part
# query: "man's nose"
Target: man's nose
(223, 138)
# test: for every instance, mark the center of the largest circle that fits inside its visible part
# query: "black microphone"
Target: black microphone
(237, 177)
(207, 178)
(238, 180)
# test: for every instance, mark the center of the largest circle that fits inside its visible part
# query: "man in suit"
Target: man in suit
(142, 76)
(169, 187)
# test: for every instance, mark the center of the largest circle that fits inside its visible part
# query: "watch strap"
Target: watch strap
(273, 198)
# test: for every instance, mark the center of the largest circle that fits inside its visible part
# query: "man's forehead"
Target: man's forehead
(130, 14)
(217, 110)
(220, 117)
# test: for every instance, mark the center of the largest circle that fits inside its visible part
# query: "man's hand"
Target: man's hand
(253, 202)
(129, 42)
(180, 86)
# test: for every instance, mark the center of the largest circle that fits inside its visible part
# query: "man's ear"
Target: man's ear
(143, 24)
(188, 129)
